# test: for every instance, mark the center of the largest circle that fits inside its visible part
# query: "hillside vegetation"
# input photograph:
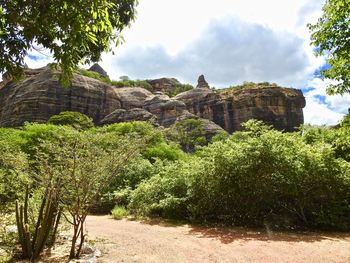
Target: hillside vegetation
(255, 177)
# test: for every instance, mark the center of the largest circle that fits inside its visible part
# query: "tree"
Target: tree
(331, 36)
(73, 31)
(81, 165)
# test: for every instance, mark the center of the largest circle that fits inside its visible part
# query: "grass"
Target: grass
(119, 212)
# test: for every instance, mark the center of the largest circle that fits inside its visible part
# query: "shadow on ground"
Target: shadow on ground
(228, 235)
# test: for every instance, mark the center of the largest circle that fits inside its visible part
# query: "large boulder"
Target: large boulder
(164, 85)
(166, 109)
(133, 97)
(122, 115)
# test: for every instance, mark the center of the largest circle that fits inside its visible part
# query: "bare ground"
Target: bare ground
(133, 241)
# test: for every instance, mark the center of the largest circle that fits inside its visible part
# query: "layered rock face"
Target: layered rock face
(40, 95)
(280, 107)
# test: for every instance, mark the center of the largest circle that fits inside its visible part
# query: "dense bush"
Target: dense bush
(119, 212)
(267, 176)
(189, 133)
(156, 145)
(164, 194)
(77, 120)
(13, 175)
(256, 177)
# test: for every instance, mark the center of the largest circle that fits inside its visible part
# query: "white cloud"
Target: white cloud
(229, 51)
(318, 114)
(322, 108)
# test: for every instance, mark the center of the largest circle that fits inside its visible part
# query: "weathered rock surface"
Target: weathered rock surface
(40, 95)
(132, 97)
(280, 107)
(166, 109)
(164, 85)
(202, 83)
(122, 115)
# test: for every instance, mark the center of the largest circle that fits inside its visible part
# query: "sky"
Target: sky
(229, 41)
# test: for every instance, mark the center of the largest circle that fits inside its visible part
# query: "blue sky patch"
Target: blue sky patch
(317, 72)
(33, 57)
(321, 99)
(307, 89)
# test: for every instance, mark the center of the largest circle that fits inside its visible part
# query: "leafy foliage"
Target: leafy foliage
(13, 174)
(247, 85)
(119, 212)
(179, 89)
(330, 35)
(164, 194)
(72, 31)
(132, 83)
(263, 175)
(189, 133)
(77, 120)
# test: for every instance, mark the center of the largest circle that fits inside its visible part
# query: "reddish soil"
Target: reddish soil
(133, 241)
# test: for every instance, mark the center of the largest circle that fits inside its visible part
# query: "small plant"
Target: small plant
(119, 212)
(74, 119)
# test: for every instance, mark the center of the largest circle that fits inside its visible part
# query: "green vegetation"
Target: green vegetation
(330, 36)
(255, 177)
(247, 85)
(124, 82)
(93, 75)
(77, 120)
(119, 212)
(188, 133)
(179, 89)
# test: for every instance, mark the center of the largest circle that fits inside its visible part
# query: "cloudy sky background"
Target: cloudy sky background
(229, 41)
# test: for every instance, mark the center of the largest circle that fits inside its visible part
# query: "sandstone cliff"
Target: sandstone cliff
(280, 107)
(40, 95)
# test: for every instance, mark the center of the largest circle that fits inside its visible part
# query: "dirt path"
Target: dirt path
(132, 241)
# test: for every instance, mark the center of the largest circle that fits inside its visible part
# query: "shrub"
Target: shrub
(262, 175)
(119, 212)
(93, 75)
(164, 194)
(189, 133)
(164, 151)
(76, 120)
(13, 175)
(179, 89)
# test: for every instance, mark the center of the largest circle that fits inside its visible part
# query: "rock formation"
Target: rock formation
(40, 95)
(97, 68)
(202, 83)
(164, 85)
(122, 115)
(280, 107)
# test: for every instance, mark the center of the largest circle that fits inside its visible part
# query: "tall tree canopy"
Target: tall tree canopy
(73, 31)
(331, 36)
